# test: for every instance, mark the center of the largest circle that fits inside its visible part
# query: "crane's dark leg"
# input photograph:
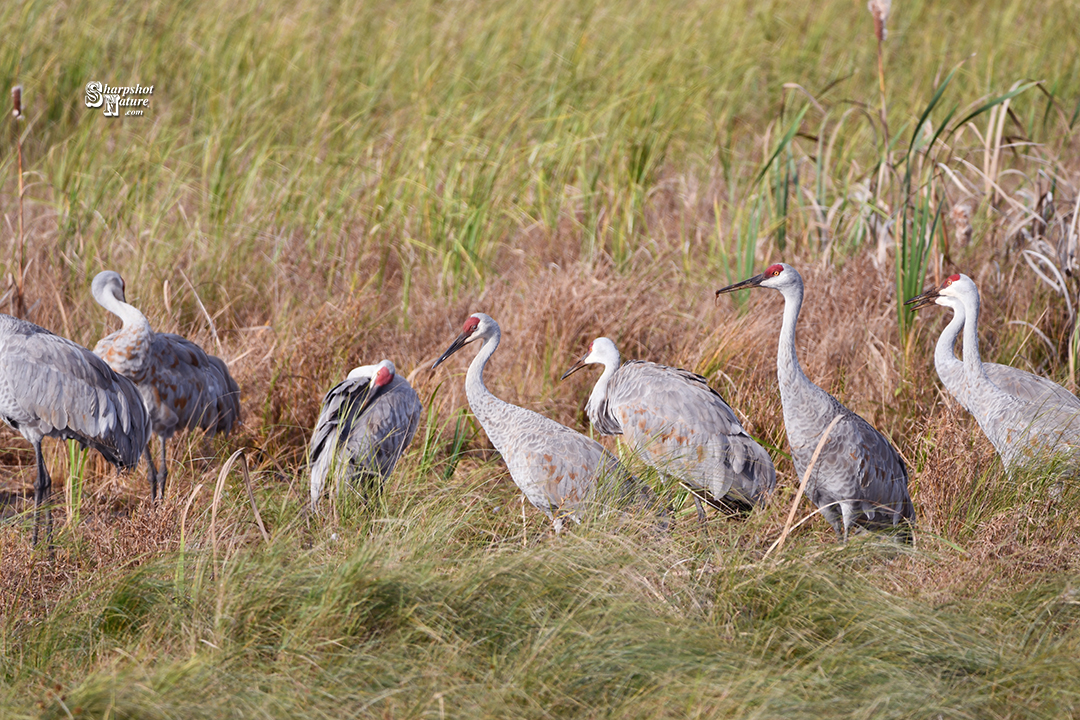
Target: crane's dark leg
(151, 471)
(164, 471)
(42, 490)
(700, 509)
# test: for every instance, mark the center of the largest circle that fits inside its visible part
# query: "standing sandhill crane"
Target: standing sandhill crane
(555, 467)
(1025, 422)
(183, 387)
(858, 469)
(366, 422)
(52, 387)
(1019, 383)
(677, 423)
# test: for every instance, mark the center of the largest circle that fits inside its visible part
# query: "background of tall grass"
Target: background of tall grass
(343, 182)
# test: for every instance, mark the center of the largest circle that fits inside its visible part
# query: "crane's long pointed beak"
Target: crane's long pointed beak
(927, 298)
(748, 283)
(577, 366)
(458, 343)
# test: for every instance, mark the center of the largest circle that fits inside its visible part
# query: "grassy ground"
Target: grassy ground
(342, 183)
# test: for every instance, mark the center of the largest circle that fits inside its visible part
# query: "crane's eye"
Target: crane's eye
(775, 273)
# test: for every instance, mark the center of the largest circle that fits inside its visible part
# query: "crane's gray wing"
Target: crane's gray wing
(339, 406)
(228, 402)
(555, 467)
(386, 427)
(1020, 384)
(858, 465)
(678, 423)
(186, 389)
(55, 387)
(1029, 387)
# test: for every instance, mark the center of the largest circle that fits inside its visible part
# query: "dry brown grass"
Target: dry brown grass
(550, 304)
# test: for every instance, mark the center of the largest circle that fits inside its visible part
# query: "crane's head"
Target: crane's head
(780, 276)
(477, 326)
(381, 373)
(385, 373)
(108, 284)
(951, 293)
(601, 350)
(378, 374)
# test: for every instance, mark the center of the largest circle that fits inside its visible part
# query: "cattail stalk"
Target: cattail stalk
(18, 305)
(879, 9)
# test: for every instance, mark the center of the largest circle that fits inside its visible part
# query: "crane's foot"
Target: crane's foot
(700, 510)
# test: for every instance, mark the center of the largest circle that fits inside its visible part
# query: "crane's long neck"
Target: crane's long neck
(973, 367)
(487, 408)
(130, 315)
(788, 369)
(127, 350)
(597, 407)
(945, 350)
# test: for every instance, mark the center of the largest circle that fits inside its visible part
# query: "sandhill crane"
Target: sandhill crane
(52, 387)
(183, 387)
(858, 469)
(1024, 423)
(555, 467)
(366, 422)
(677, 423)
(1019, 383)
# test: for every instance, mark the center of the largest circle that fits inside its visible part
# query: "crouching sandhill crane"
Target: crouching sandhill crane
(858, 469)
(1025, 417)
(52, 387)
(555, 467)
(366, 422)
(678, 424)
(183, 387)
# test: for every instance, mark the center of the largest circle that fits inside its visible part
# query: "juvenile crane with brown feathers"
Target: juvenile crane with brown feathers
(183, 387)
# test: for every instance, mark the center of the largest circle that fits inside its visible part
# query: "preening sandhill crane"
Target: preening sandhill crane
(1023, 417)
(678, 424)
(859, 478)
(366, 422)
(52, 387)
(556, 468)
(183, 387)
(1019, 383)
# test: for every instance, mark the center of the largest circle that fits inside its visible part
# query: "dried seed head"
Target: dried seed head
(880, 10)
(16, 102)
(960, 215)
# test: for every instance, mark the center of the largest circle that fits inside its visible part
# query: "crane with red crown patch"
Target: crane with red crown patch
(859, 479)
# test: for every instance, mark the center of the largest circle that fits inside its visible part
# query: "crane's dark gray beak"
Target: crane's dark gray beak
(458, 343)
(927, 298)
(748, 283)
(577, 366)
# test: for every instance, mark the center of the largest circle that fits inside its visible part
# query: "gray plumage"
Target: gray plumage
(366, 422)
(1021, 384)
(555, 467)
(183, 386)
(678, 424)
(859, 478)
(52, 387)
(1025, 417)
